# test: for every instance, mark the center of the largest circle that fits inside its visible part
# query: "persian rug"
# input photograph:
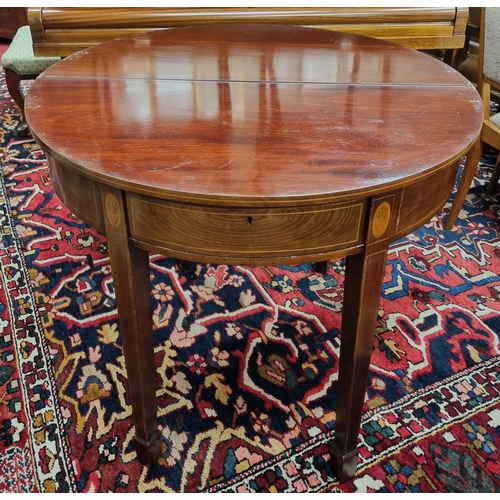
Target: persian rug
(246, 359)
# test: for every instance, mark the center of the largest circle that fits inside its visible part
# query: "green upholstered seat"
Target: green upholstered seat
(19, 63)
(19, 56)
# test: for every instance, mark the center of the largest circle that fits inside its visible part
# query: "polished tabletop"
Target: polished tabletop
(213, 112)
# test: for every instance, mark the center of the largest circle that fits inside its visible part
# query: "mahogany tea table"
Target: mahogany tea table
(253, 145)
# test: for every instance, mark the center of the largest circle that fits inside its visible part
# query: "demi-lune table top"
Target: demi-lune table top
(256, 113)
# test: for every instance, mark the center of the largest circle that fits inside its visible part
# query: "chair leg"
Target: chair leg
(468, 174)
(13, 81)
(494, 177)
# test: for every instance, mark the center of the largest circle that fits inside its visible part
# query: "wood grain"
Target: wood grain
(220, 120)
(84, 201)
(63, 30)
(248, 235)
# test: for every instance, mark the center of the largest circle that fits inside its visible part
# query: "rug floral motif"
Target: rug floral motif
(246, 359)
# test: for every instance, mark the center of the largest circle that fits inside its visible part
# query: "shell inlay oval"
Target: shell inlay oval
(113, 210)
(381, 219)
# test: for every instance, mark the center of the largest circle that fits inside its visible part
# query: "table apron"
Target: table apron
(423, 199)
(246, 234)
(254, 236)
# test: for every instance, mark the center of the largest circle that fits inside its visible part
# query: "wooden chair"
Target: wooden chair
(19, 64)
(469, 50)
(488, 78)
